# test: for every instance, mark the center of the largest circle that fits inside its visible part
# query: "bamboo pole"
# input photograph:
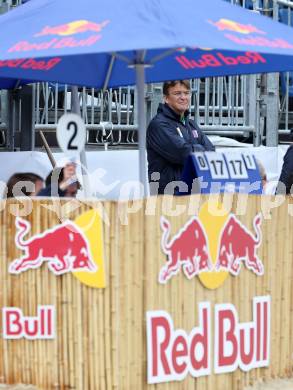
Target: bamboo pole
(107, 341)
(6, 291)
(48, 150)
(113, 266)
(276, 320)
(65, 349)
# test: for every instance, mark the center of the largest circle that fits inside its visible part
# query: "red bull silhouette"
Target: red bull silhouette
(238, 244)
(231, 25)
(64, 247)
(188, 247)
(75, 27)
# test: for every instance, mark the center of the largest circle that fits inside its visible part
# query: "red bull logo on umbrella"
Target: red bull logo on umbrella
(248, 34)
(66, 247)
(211, 248)
(63, 35)
(231, 25)
(71, 28)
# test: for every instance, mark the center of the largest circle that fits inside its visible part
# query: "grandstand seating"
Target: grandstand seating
(283, 79)
(286, 16)
(247, 3)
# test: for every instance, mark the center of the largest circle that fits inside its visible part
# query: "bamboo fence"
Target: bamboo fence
(100, 338)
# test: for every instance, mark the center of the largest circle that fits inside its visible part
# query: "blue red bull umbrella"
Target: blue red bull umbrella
(109, 44)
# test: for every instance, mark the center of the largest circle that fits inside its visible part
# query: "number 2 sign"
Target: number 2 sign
(71, 134)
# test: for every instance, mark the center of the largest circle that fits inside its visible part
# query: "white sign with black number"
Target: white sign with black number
(249, 161)
(201, 161)
(236, 166)
(71, 134)
(218, 166)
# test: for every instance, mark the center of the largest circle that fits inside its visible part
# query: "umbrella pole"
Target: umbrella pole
(140, 80)
(75, 108)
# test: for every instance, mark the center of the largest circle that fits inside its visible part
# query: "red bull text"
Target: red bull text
(173, 353)
(260, 41)
(64, 247)
(31, 63)
(53, 43)
(17, 326)
(219, 59)
(189, 248)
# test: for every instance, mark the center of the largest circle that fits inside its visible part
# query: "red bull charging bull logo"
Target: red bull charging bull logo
(64, 247)
(67, 247)
(238, 244)
(78, 33)
(188, 247)
(71, 28)
(248, 34)
(211, 248)
(231, 25)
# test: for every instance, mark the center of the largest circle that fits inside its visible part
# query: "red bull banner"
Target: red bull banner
(183, 292)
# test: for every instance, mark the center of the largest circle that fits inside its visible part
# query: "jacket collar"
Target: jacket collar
(167, 111)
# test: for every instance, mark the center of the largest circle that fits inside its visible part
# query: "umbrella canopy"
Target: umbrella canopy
(93, 44)
(107, 43)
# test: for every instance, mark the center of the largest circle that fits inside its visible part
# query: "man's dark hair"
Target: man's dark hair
(58, 173)
(170, 84)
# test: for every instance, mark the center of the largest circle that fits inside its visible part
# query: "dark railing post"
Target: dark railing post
(27, 130)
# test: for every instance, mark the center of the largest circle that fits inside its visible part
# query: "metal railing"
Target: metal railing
(283, 12)
(219, 105)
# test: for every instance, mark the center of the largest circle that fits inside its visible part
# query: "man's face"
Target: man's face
(178, 98)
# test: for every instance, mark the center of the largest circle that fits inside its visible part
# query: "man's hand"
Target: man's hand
(69, 176)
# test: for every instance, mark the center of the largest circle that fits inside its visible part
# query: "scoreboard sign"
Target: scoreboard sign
(222, 172)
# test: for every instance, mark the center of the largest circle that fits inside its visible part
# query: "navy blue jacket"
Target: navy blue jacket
(47, 191)
(169, 142)
(286, 176)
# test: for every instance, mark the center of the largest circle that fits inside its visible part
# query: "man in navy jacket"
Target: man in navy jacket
(172, 136)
